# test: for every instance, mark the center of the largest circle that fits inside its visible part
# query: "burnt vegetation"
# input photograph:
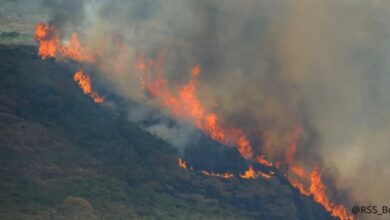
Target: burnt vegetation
(64, 157)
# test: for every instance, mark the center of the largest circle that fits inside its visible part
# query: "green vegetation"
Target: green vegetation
(14, 38)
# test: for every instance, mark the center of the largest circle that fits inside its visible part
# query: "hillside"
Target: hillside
(64, 157)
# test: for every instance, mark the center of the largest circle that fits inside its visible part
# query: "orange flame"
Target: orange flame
(85, 84)
(249, 174)
(47, 38)
(297, 170)
(50, 45)
(317, 189)
(299, 186)
(182, 163)
(73, 50)
(292, 148)
(252, 174)
(185, 104)
(262, 160)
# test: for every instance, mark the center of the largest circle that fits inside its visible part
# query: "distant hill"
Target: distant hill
(64, 157)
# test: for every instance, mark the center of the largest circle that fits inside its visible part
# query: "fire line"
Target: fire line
(184, 104)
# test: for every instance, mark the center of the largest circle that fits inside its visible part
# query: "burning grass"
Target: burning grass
(183, 103)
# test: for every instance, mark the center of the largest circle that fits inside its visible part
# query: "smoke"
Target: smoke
(268, 66)
(179, 134)
(335, 51)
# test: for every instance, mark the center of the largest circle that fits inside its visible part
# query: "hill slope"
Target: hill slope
(64, 157)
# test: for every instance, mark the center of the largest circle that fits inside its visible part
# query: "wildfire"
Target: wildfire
(47, 38)
(252, 174)
(182, 163)
(317, 189)
(182, 102)
(292, 148)
(185, 104)
(261, 159)
(85, 84)
(50, 45)
(249, 174)
(223, 175)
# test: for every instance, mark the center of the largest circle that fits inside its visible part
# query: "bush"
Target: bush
(77, 208)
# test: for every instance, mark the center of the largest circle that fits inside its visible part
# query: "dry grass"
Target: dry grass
(20, 16)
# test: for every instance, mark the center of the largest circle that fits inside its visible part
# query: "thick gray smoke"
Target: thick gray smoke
(268, 66)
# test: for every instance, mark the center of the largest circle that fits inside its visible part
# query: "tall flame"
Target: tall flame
(183, 103)
(186, 105)
(317, 189)
(50, 45)
(85, 84)
(47, 38)
(292, 148)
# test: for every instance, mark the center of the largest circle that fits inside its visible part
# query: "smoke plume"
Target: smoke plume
(267, 67)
